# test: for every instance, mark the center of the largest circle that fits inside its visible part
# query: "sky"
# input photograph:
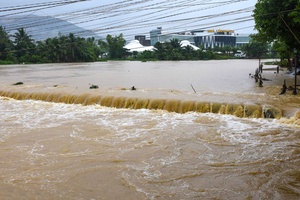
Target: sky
(139, 17)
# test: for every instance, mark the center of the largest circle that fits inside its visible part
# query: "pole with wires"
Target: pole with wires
(296, 65)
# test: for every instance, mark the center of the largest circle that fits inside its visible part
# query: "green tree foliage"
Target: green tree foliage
(115, 47)
(161, 51)
(92, 49)
(175, 44)
(173, 51)
(188, 53)
(147, 55)
(6, 45)
(103, 47)
(256, 48)
(278, 20)
(24, 45)
(226, 50)
(284, 52)
(68, 49)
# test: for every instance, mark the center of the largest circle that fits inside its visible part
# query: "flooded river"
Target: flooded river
(190, 130)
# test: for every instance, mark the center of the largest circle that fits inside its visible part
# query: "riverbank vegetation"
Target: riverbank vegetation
(278, 22)
(21, 48)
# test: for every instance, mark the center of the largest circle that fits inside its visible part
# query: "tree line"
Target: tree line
(21, 48)
(277, 22)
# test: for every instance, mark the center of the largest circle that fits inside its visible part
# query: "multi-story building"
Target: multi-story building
(205, 38)
(156, 35)
(212, 38)
(142, 39)
(242, 39)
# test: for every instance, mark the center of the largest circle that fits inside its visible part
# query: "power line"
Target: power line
(40, 5)
(35, 7)
(128, 15)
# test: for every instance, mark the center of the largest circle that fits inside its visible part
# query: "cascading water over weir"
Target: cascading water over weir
(171, 105)
(160, 86)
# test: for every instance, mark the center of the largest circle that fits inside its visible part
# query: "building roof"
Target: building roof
(135, 45)
(185, 43)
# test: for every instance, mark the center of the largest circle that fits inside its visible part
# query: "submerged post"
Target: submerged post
(193, 88)
(284, 88)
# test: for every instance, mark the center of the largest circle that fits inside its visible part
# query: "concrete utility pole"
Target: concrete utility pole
(296, 64)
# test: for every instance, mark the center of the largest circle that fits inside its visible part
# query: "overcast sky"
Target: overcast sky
(135, 17)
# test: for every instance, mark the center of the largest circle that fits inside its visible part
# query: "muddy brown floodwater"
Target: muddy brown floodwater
(191, 130)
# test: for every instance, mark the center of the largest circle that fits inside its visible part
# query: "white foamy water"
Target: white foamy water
(60, 151)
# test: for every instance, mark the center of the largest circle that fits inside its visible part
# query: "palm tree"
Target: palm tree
(175, 49)
(103, 47)
(160, 50)
(55, 50)
(6, 45)
(188, 52)
(116, 46)
(24, 44)
(71, 47)
(175, 44)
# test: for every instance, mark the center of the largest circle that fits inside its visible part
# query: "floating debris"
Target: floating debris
(94, 86)
(18, 83)
(133, 88)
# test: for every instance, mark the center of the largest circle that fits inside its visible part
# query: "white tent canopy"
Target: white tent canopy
(185, 43)
(135, 45)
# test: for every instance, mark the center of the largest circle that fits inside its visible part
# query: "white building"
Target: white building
(205, 38)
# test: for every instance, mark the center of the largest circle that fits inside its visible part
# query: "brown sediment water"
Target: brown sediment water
(229, 140)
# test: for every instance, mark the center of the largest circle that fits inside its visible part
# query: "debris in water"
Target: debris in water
(94, 87)
(18, 83)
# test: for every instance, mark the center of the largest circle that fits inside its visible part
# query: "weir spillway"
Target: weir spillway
(171, 105)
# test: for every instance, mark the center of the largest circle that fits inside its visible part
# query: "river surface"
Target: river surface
(67, 150)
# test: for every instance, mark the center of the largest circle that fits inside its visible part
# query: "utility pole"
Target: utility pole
(296, 64)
